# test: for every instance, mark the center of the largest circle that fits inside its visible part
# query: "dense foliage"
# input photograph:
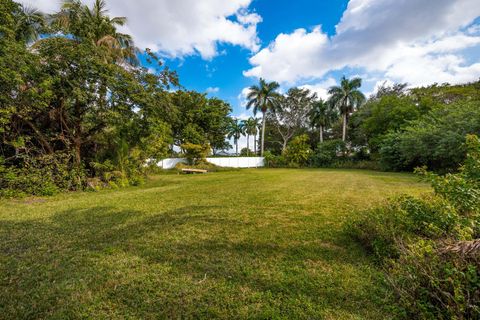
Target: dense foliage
(396, 129)
(429, 246)
(76, 109)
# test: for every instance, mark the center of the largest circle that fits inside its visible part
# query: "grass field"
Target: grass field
(261, 244)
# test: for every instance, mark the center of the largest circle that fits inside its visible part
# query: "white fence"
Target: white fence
(230, 162)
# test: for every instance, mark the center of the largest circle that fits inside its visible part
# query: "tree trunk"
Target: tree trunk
(344, 133)
(78, 149)
(321, 134)
(236, 147)
(284, 145)
(255, 144)
(248, 145)
(263, 135)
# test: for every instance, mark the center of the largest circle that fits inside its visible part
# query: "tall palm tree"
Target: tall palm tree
(346, 98)
(263, 97)
(235, 131)
(321, 116)
(94, 24)
(29, 24)
(251, 129)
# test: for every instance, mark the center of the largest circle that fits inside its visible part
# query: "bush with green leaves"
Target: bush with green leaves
(297, 152)
(245, 152)
(356, 164)
(406, 219)
(205, 165)
(41, 176)
(435, 140)
(195, 153)
(327, 153)
(274, 161)
(429, 246)
(430, 281)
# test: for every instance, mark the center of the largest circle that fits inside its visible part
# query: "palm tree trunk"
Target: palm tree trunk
(248, 145)
(263, 135)
(236, 147)
(255, 144)
(321, 134)
(344, 133)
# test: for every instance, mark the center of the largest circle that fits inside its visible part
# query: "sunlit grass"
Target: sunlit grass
(245, 244)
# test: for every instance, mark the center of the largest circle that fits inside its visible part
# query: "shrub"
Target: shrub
(352, 164)
(462, 189)
(431, 266)
(297, 152)
(245, 152)
(273, 161)
(406, 219)
(435, 140)
(327, 153)
(204, 165)
(41, 176)
(432, 283)
(195, 153)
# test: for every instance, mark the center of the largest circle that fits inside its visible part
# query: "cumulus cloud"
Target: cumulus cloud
(320, 88)
(418, 41)
(212, 90)
(242, 97)
(182, 27)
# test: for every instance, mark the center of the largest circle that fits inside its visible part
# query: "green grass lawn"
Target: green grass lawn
(262, 244)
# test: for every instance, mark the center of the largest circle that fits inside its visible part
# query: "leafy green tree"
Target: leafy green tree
(346, 98)
(263, 97)
(189, 111)
(298, 151)
(388, 113)
(292, 117)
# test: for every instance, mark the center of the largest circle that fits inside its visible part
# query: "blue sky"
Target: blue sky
(225, 72)
(222, 47)
(223, 75)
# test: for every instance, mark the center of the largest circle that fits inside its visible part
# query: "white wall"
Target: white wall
(228, 162)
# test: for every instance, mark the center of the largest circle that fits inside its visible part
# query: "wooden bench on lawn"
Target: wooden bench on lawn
(194, 171)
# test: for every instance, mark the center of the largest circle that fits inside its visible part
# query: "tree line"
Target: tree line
(397, 128)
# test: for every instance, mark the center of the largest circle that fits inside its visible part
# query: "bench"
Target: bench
(194, 171)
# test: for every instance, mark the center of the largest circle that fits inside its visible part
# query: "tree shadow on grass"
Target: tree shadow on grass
(186, 263)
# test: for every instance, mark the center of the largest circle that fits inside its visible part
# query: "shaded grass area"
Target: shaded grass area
(261, 244)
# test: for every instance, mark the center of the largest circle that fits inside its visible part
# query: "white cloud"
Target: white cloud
(321, 88)
(212, 90)
(242, 97)
(290, 56)
(420, 41)
(182, 27)
(244, 116)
